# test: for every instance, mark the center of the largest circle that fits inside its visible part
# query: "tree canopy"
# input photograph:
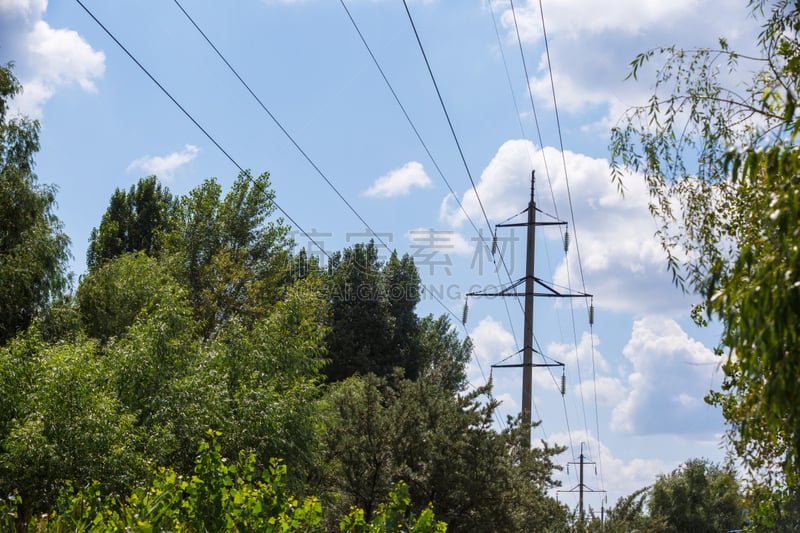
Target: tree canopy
(204, 377)
(33, 246)
(716, 145)
(134, 221)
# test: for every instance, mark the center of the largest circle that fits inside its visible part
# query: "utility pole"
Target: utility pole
(581, 487)
(530, 282)
(527, 343)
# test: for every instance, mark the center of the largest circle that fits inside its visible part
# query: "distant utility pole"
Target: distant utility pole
(580, 488)
(530, 282)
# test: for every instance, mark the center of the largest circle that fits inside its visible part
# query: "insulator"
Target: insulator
(591, 315)
(464, 314)
(494, 243)
(566, 241)
(563, 383)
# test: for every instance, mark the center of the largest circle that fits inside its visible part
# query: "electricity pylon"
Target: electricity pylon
(531, 284)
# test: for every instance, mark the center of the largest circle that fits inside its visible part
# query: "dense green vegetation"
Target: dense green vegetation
(204, 376)
(717, 147)
(201, 376)
(698, 496)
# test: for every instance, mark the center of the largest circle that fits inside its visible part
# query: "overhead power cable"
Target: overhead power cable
(453, 132)
(552, 194)
(194, 121)
(574, 229)
(425, 147)
(280, 126)
(446, 114)
(305, 155)
(571, 209)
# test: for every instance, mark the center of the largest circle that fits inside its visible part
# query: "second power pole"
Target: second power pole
(527, 343)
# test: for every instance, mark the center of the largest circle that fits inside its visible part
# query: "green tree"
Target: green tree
(374, 327)
(218, 495)
(61, 422)
(134, 221)
(361, 322)
(443, 356)
(34, 249)
(232, 258)
(112, 295)
(720, 159)
(699, 496)
(401, 286)
(443, 445)
(628, 514)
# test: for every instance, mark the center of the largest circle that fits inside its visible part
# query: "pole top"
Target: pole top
(533, 180)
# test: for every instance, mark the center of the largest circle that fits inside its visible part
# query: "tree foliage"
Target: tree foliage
(698, 496)
(134, 221)
(218, 495)
(716, 145)
(227, 252)
(374, 328)
(33, 246)
(111, 296)
(444, 446)
(61, 421)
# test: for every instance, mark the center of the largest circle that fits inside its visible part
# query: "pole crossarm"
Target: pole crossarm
(519, 224)
(552, 292)
(524, 365)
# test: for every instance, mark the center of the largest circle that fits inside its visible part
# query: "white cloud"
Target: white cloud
(582, 361)
(621, 260)
(491, 342)
(165, 166)
(614, 33)
(47, 58)
(26, 9)
(620, 477)
(671, 375)
(579, 18)
(607, 390)
(585, 354)
(399, 182)
(501, 187)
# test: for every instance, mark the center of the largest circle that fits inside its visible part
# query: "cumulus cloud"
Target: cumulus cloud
(614, 33)
(607, 390)
(621, 476)
(165, 166)
(671, 375)
(47, 58)
(579, 18)
(502, 187)
(620, 257)
(583, 360)
(399, 182)
(491, 342)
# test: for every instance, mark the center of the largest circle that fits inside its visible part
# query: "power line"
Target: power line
(446, 114)
(190, 117)
(574, 226)
(280, 126)
(435, 164)
(547, 173)
(427, 150)
(298, 147)
(452, 130)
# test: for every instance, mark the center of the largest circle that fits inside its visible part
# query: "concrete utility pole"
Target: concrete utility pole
(580, 488)
(530, 282)
(527, 346)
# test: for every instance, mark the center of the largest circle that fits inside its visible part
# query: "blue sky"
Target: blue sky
(635, 381)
